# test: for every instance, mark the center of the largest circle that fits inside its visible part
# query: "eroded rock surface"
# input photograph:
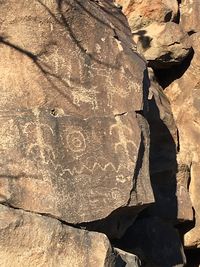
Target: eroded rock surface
(70, 138)
(32, 240)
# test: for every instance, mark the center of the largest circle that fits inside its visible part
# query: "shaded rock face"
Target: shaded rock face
(70, 138)
(156, 242)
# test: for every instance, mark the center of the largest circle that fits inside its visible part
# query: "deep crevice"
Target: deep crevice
(193, 257)
(48, 215)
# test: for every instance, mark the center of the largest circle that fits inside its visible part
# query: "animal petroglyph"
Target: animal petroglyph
(81, 94)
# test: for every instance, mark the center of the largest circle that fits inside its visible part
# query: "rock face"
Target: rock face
(171, 48)
(99, 164)
(70, 137)
(126, 259)
(33, 240)
(190, 14)
(185, 106)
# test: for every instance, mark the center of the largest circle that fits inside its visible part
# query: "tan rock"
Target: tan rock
(162, 44)
(190, 14)
(70, 84)
(141, 13)
(127, 259)
(31, 240)
(184, 96)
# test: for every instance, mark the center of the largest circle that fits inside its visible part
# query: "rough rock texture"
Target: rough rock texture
(30, 240)
(190, 15)
(89, 143)
(125, 259)
(70, 138)
(162, 44)
(171, 48)
(184, 96)
(142, 13)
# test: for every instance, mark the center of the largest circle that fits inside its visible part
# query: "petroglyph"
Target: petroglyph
(82, 168)
(81, 94)
(122, 131)
(76, 141)
(36, 131)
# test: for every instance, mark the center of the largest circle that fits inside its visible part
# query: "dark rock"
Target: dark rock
(156, 242)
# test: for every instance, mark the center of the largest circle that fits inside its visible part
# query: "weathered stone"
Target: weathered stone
(162, 44)
(125, 259)
(142, 13)
(156, 242)
(190, 15)
(184, 96)
(69, 139)
(172, 201)
(30, 240)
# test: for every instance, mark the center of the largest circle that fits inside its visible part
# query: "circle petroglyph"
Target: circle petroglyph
(76, 141)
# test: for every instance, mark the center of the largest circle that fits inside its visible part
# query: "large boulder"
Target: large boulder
(30, 240)
(142, 13)
(70, 139)
(162, 44)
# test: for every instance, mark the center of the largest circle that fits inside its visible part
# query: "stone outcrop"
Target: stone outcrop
(142, 13)
(184, 95)
(70, 138)
(162, 44)
(32, 240)
(99, 157)
(171, 48)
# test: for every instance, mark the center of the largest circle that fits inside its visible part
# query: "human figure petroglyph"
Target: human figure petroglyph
(122, 131)
(36, 130)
